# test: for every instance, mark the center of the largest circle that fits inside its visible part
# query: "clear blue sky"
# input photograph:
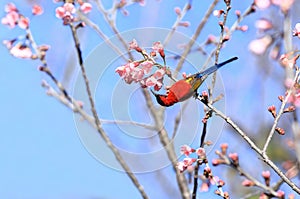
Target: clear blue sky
(41, 153)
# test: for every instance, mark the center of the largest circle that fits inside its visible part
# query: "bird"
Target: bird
(187, 87)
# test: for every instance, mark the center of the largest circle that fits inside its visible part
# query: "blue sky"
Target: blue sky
(43, 154)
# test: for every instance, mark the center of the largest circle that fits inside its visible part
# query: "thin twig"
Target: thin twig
(167, 144)
(195, 36)
(97, 120)
(196, 169)
(265, 158)
(279, 114)
(101, 34)
(186, 7)
(111, 21)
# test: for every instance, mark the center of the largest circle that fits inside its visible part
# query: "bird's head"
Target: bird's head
(163, 100)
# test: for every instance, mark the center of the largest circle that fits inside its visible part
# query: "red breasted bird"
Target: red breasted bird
(186, 88)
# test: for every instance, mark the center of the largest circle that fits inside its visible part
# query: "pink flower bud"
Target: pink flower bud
(280, 130)
(177, 10)
(248, 183)
(37, 10)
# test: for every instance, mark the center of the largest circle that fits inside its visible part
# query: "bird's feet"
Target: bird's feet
(196, 95)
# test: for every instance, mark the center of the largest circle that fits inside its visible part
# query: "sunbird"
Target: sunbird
(187, 87)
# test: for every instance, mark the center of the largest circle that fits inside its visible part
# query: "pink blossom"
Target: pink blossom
(262, 4)
(146, 66)
(218, 13)
(201, 153)
(129, 72)
(234, 157)
(296, 31)
(11, 19)
(188, 161)
(211, 39)
(247, 183)
(284, 5)
(263, 196)
(158, 47)
(177, 10)
(10, 7)
(224, 146)
(9, 43)
(133, 45)
(266, 174)
(280, 194)
(263, 24)
(37, 10)
(216, 162)
(295, 98)
(23, 22)
(65, 11)
(286, 61)
(159, 74)
(186, 150)
(137, 74)
(21, 51)
(86, 7)
(181, 166)
(184, 23)
(243, 28)
(151, 81)
(204, 187)
(141, 2)
(259, 46)
(238, 13)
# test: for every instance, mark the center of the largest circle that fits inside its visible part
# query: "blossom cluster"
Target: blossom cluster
(14, 17)
(284, 5)
(188, 161)
(19, 47)
(139, 71)
(66, 12)
(289, 61)
(268, 32)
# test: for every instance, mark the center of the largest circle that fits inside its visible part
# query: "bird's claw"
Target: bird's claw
(196, 95)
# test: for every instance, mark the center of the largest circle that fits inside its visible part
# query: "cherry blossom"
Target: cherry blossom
(177, 10)
(218, 13)
(295, 98)
(10, 7)
(158, 47)
(296, 31)
(184, 23)
(86, 7)
(21, 51)
(248, 183)
(259, 46)
(133, 45)
(9, 43)
(11, 19)
(284, 5)
(181, 166)
(66, 12)
(146, 66)
(262, 4)
(37, 10)
(263, 24)
(186, 150)
(23, 22)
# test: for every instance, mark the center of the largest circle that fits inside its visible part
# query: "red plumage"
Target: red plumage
(182, 90)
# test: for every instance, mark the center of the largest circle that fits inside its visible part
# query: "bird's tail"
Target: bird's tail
(214, 68)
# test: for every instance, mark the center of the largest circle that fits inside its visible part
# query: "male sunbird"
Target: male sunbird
(186, 88)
